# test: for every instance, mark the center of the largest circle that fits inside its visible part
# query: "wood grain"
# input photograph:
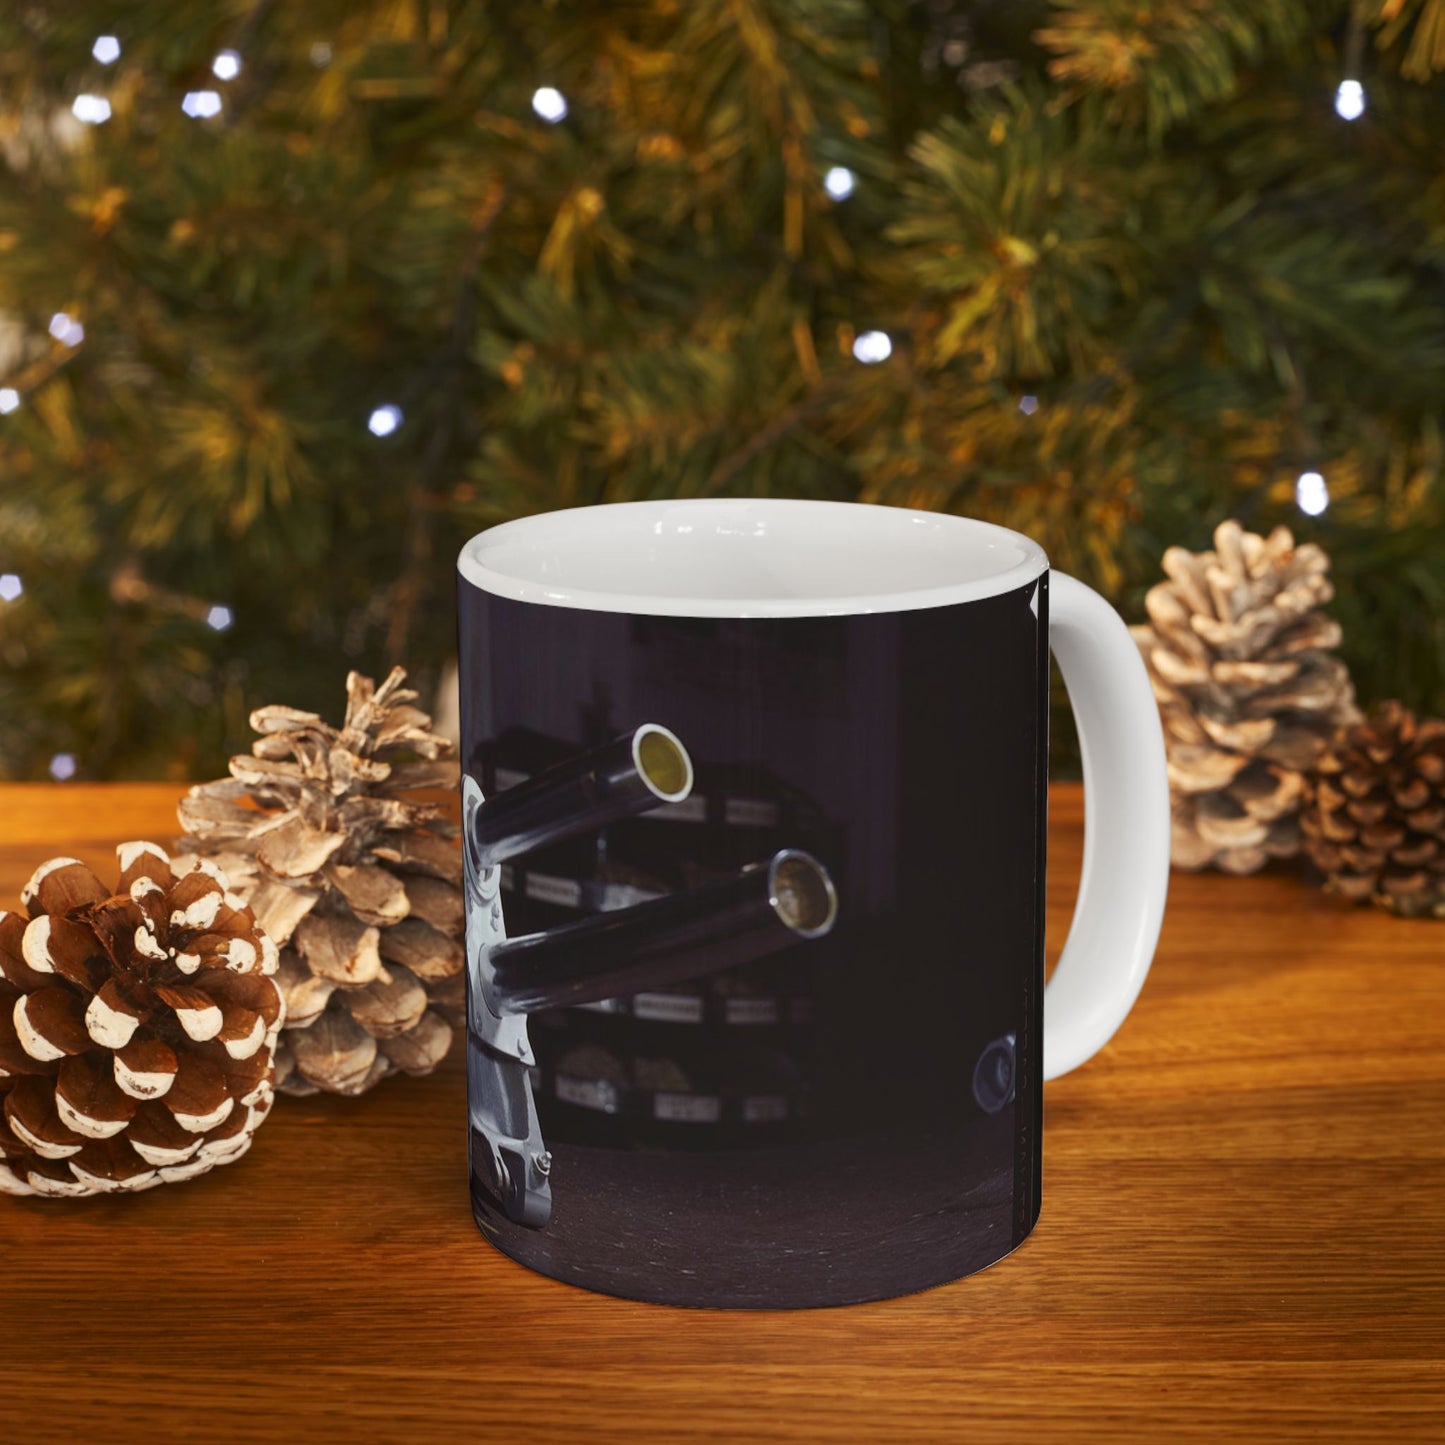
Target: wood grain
(1241, 1239)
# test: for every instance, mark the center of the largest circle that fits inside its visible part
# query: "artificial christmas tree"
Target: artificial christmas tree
(137, 1025)
(276, 338)
(1375, 824)
(356, 878)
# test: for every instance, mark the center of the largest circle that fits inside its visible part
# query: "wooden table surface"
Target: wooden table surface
(1243, 1238)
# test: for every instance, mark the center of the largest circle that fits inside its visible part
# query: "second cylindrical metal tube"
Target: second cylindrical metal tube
(763, 908)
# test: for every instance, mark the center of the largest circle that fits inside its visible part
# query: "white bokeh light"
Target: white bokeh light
(550, 104)
(1028, 405)
(1311, 493)
(839, 183)
(384, 420)
(90, 109)
(10, 587)
(321, 54)
(63, 766)
(1350, 100)
(64, 327)
(219, 617)
(872, 347)
(201, 104)
(227, 65)
(106, 49)
(9, 400)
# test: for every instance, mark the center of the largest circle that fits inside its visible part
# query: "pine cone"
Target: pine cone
(136, 1027)
(359, 883)
(1248, 690)
(1375, 824)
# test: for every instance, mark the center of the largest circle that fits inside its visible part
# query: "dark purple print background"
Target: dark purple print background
(805, 1130)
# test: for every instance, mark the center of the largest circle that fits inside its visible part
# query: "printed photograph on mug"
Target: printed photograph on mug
(755, 943)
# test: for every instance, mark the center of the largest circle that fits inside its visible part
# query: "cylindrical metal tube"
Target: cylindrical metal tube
(764, 907)
(631, 774)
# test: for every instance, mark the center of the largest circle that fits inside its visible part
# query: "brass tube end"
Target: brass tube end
(802, 893)
(662, 762)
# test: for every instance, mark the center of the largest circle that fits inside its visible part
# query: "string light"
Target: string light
(91, 109)
(62, 767)
(106, 49)
(384, 420)
(67, 329)
(219, 617)
(839, 183)
(227, 65)
(10, 587)
(201, 104)
(1311, 493)
(550, 104)
(1350, 100)
(1028, 405)
(9, 400)
(872, 347)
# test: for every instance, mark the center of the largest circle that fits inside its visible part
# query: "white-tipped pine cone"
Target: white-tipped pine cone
(1249, 690)
(137, 1025)
(357, 880)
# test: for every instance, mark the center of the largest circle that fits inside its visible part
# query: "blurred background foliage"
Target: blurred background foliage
(1136, 265)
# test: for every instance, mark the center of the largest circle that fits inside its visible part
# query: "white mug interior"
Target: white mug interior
(748, 557)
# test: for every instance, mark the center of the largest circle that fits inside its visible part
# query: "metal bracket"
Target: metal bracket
(499, 1089)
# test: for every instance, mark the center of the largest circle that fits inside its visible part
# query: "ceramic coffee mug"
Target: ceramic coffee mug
(754, 796)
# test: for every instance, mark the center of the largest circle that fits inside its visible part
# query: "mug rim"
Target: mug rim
(1020, 558)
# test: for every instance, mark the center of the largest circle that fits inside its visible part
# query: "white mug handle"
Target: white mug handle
(1126, 827)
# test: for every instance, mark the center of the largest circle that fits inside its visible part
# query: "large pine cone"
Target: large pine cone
(1375, 826)
(136, 1027)
(1249, 692)
(358, 882)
